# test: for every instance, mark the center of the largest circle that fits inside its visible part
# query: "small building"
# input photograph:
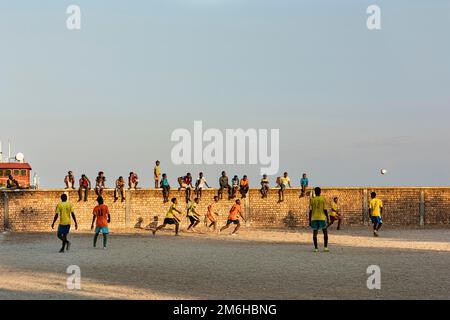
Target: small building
(19, 170)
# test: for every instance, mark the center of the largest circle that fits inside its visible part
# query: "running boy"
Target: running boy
(171, 218)
(193, 216)
(101, 214)
(64, 210)
(375, 211)
(334, 214)
(235, 212)
(318, 219)
(211, 212)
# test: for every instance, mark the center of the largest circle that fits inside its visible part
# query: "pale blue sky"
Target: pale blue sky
(348, 101)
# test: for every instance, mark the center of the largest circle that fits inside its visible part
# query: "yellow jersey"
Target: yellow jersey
(64, 209)
(318, 208)
(376, 205)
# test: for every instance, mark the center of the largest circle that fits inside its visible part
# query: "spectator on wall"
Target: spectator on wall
(156, 174)
(133, 180)
(200, 184)
(224, 184)
(85, 186)
(100, 183)
(165, 188)
(304, 182)
(120, 189)
(234, 186)
(243, 186)
(264, 186)
(69, 180)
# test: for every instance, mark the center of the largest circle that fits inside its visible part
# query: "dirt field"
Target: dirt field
(253, 265)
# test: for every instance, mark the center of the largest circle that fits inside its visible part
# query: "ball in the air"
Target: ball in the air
(383, 171)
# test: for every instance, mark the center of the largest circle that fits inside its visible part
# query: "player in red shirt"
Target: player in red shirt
(101, 214)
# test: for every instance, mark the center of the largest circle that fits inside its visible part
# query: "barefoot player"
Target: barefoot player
(211, 212)
(375, 211)
(235, 212)
(171, 218)
(64, 210)
(318, 219)
(101, 214)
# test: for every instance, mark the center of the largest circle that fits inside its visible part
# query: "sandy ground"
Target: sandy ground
(253, 265)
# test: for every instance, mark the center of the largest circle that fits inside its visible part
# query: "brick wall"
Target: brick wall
(34, 210)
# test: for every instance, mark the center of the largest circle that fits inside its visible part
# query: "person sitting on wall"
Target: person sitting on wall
(165, 186)
(69, 180)
(133, 180)
(100, 183)
(244, 187)
(85, 186)
(223, 183)
(264, 186)
(234, 186)
(12, 183)
(119, 190)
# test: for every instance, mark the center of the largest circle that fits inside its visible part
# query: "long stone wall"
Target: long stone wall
(33, 210)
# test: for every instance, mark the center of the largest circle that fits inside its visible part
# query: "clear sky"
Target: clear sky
(348, 101)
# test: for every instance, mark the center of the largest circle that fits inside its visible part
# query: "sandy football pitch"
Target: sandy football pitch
(255, 264)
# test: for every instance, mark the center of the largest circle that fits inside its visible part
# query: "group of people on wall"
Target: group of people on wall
(232, 188)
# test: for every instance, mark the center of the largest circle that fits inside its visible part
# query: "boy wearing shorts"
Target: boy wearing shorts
(101, 214)
(375, 211)
(65, 211)
(334, 214)
(235, 212)
(193, 216)
(171, 218)
(211, 212)
(318, 219)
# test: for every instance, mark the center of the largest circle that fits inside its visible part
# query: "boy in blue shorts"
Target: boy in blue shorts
(64, 210)
(318, 219)
(375, 211)
(101, 214)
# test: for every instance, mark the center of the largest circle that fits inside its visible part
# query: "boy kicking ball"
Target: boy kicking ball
(171, 218)
(235, 212)
(101, 214)
(375, 211)
(318, 219)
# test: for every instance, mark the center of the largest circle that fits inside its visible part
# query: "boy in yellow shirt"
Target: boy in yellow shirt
(335, 214)
(156, 174)
(171, 218)
(64, 210)
(375, 211)
(193, 215)
(318, 219)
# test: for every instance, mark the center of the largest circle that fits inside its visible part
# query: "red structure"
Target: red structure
(20, 171)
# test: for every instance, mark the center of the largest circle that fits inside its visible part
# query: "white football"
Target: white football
(383, 171)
